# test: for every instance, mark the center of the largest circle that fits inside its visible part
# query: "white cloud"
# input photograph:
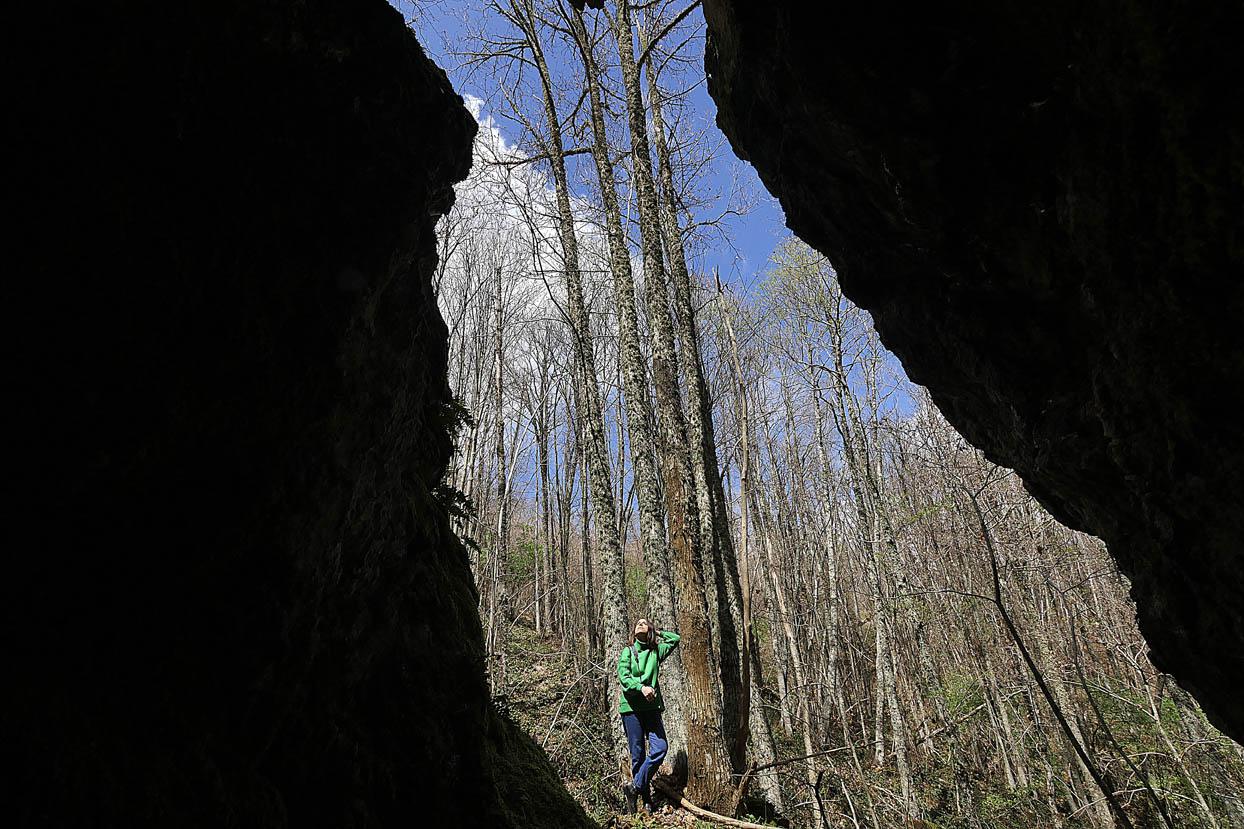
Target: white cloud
(474, 104)
(506, 216)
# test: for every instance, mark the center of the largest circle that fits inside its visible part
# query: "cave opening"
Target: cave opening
(364, 408)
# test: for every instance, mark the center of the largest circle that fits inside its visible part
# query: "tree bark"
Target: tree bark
(709, 770)
(634, 388)
(727, 600)
(588, 398)
(751, 721)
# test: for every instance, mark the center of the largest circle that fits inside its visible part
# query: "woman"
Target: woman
(639, 668)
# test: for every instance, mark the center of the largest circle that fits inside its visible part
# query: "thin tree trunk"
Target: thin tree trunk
(1177, 757)
(792, 644)
(502, 537)
(1055, 693)
(872, 522)
(751, 715)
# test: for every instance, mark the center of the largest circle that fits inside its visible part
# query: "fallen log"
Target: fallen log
(705, 813)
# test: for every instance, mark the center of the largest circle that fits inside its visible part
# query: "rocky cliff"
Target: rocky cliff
(235, 599)
(1042, 205)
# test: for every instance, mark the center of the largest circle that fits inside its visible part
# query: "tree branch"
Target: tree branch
(678, 18)
(704, 813)
(534, 158)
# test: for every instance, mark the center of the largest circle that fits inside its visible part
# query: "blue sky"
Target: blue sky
(742, 257)
(741, 252)
(439, 24)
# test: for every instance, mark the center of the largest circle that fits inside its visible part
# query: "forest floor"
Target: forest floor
(549, 692)
(667, 816)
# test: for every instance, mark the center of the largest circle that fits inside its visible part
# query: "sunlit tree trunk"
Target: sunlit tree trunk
(709, 770)
(1155, 702)
(831, 558)
(751, 715)
(634, 386)
(501, 538)
(778, 591)
(588, 397)
(724, 594)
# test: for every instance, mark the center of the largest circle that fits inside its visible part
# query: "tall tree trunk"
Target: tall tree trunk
(873, 522)
(831, 556)
(751, 719)
(709, 776)
(634, 390)
(590, 404)
(792, 643)
(592, 639)
(1097, 808)
(726, 595)
(502, 538)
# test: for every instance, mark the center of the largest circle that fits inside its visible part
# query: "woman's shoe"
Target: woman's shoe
(632, 795)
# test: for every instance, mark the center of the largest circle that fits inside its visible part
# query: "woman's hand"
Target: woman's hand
(648, 692)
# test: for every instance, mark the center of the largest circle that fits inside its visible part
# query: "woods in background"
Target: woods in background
(877, 624)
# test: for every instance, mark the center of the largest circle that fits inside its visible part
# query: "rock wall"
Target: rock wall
(233, 598)
(1042, 205)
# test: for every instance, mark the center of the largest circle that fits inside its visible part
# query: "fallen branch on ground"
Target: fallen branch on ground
(704, 813)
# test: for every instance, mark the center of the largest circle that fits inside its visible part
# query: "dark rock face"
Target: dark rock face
(1042, 205)
(237, 600)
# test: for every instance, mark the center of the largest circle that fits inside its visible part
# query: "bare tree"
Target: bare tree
(748, 462)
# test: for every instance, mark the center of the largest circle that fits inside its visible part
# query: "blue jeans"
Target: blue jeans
(638, 726)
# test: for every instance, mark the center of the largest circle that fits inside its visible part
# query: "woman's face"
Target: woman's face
(642, 629)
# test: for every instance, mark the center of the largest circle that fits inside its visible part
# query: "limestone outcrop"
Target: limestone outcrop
(1042, 206)
(237, 600)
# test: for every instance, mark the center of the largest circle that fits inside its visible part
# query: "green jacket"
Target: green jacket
(640, 667)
